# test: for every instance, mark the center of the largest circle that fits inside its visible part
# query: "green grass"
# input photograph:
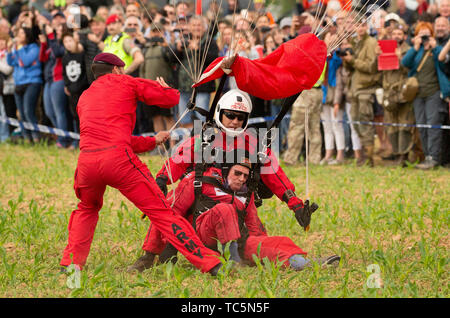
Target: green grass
(397, 219)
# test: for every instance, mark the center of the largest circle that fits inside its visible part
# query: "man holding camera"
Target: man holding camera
(362, 61)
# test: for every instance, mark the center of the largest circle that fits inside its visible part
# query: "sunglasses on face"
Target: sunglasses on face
(232, 116)
(238, 173)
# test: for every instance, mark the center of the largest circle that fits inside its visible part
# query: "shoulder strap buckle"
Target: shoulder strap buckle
(197, 184)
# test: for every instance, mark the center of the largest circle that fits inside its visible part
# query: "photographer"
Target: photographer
(133, 28)
(429, 107)
(55, 100)
(156, 64)
(23, 55)
(93, 42)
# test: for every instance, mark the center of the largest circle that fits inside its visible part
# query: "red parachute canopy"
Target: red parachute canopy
(295, 66)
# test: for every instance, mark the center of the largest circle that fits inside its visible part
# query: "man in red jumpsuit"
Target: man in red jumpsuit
(107, 112)
(220, 214)
(232, 119)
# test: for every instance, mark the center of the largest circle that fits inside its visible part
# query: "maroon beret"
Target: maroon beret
(108, 58)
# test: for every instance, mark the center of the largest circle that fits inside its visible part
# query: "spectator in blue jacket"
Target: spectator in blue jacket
(55, 100)
(23, 55)
(434, 87)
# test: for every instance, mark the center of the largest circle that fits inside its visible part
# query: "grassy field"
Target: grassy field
(397, 219)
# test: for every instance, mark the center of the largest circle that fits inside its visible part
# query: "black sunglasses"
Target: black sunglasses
(240, 173)
(232, 116)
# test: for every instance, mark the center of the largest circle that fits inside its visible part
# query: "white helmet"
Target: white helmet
(236, 101)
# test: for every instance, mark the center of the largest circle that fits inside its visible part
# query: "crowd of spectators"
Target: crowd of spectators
(47, 48)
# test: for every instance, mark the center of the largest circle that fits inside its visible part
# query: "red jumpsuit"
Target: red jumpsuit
(107, 112)
(272, 175)
(221, 223)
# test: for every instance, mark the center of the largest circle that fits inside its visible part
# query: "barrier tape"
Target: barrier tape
(258, 120)
(175, 134)
(184, 131)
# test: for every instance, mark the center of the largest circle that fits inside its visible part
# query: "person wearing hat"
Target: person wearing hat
(362, 61)
(119, 43)
(220, 213)
(107, 114)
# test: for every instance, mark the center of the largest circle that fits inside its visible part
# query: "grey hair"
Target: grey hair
(138, 21)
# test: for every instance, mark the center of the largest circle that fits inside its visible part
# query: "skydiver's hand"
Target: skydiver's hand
(302, 211)
(227, 62)
(161, 137)
(162, 82)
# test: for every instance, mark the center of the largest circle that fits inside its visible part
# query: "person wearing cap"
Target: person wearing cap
(119, 43)
(107, 113)
(391, 20)
(396, 109)
(285, 26)
(220, 213)
(362, 61)
(92, 41)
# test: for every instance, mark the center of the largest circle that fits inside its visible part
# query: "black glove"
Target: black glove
(161, 181)
(303, 214)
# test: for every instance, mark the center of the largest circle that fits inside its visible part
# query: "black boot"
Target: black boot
(144, 262)
(215, 270)
(325, 261)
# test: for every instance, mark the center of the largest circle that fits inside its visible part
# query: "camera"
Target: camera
(265, 29)
(425, 38)
(342, 53)
(130, 30)
(155, 40)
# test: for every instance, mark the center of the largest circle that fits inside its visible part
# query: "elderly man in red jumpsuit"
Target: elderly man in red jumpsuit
(220, 214)
(107, 112)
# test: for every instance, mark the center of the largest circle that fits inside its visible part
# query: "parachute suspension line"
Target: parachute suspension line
(209, 38)
(256, 17)
(189, 54)
(344, 8)
(355, 19)
(168, 44)
(335, 44)
(318, 12)
(168, 169)
(307, 153)
(233, 31)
